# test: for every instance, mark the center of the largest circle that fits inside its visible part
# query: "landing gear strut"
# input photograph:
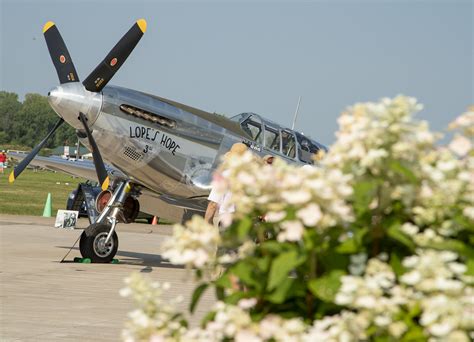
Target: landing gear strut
(99, 241)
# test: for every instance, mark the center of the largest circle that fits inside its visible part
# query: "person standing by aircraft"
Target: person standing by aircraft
(221, 203)
(3, 160)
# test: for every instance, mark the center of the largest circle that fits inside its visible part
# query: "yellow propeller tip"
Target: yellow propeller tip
(11, 178)
(142, 24)
(47, 26)
(105, 184)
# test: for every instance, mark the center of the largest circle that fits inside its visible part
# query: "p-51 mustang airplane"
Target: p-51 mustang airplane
(161, 153)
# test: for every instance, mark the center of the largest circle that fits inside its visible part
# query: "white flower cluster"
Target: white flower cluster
(376, 296)
(434, 281)
(370, 133)
(465, 123)
(383, 139)
(376, 141)
(234, 323)
(346, 326)
(318, 195)
(448, 180)
(194, 245)
(157, 320)
(447, 301)
(448, 184)
(153, 315)
(463, 146)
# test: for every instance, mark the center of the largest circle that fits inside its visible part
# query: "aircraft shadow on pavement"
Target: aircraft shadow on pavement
(138, 259)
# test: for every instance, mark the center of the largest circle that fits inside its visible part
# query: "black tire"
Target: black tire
(91, 243)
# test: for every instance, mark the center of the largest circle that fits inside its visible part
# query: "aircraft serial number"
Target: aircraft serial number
(150, 134)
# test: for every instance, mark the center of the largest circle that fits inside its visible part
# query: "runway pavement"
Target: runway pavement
(42, 299)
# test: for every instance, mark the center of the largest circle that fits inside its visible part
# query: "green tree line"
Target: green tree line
(27, 123)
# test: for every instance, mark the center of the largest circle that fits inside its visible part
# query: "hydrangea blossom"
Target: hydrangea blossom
(420, 195)
(194, 245)
(153, 316)
(433, 282)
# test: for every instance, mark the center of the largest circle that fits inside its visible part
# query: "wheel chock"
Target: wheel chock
(88, 260)
(83, 260)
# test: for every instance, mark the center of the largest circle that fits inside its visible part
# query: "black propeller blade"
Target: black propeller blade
(98, 162)
(116, 57)
(24, 163)
(58, 51)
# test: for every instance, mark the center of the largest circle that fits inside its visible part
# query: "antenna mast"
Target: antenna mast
(296, 113)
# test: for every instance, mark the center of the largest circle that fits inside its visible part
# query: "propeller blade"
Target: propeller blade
(116, 57)
(60, 56)
(24, 163)
(98, 162)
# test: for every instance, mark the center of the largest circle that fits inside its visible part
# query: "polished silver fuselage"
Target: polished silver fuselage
(177, 161)
(173, 156)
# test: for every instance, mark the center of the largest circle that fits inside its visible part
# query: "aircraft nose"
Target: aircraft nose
(54, 97)
(69, 99)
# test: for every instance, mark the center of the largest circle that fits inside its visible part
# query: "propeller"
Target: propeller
(102, 74)
(98, 162)
(95, 82)
(24, 163)
(59, 54)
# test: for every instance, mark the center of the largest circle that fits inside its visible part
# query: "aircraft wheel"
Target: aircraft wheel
(92, 243)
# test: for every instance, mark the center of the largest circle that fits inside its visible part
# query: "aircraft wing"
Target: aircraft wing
(79, 168)
(161, 205)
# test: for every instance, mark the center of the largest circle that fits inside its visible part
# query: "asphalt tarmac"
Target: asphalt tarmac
(42, 299)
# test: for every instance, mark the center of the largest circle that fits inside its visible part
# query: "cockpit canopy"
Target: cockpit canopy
(284, 141)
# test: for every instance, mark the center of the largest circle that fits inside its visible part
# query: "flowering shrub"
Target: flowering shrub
(373, 244)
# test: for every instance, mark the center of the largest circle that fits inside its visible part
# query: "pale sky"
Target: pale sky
(259, 56)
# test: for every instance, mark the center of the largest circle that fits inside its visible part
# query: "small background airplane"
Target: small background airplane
(161, 154)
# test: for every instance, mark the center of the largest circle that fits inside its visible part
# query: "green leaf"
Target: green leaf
(333, 260)
(470, 267)
(347, 247)
(281, 292)
(281, 266)
(364, 193)
(263, 264)
(243, 270)
(456, 246)
(235, 297)
(353, 244)
(395, 233)
(273, 247)
(402, 170)
(359, 235)
(326, 309)
(223, 281)
(243, 227)
(196, 295)
(220, 293)
(415, 311)
(326, 287)
(396, 264)
(208, 318)
(415, 334)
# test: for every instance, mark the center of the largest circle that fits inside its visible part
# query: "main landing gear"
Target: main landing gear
(99, 241)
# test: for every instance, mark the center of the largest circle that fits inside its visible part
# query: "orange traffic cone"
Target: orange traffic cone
(155, 221)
